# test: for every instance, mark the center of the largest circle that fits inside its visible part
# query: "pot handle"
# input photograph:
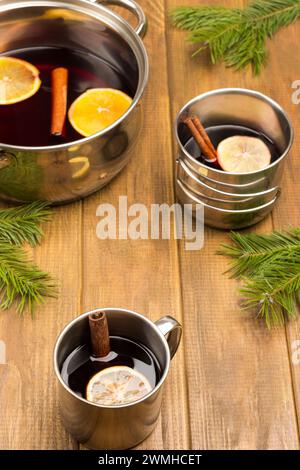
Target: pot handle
(172, 330)
(5, 159)
(132, 6)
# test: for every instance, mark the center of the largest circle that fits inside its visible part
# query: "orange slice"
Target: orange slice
(19, 80)
(61, 13)
(117, 385)
(97, 109)
(242, 154)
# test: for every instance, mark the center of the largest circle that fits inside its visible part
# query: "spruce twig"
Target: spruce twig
(20, 225)
(251, 252)
(269, 266)
(236, 35)
(21, 281)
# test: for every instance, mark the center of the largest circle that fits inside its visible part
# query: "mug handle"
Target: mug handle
(172, 330)
(132, 6)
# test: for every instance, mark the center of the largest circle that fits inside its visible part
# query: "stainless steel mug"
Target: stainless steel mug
(47, 173)
(238, 106)
(232, 200)
(125, 426)
(218, 198)
(221, 218)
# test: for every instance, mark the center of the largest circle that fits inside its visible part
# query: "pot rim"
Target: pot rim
(107, 310)
(243, 91)
(143, 78)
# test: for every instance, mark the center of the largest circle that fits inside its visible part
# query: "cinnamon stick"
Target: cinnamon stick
(99, 334)
(204, 147)
(204, 134)
(202, 138)
(59, 100)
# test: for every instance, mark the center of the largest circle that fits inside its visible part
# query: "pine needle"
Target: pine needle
(20, 225)
(236, 35)
(252, 252)
(21, 281)
(269, 266)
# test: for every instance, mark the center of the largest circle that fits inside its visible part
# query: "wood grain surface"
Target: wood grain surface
(233, 384)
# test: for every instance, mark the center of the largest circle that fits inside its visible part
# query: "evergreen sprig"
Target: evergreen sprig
(21, 281)
(269, 266)
(236, 35)
(20, 225)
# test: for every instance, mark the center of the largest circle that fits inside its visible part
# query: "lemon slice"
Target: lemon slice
(97, 109)
(117, 385)
(242, 154)
(81, 166)
(19, 80)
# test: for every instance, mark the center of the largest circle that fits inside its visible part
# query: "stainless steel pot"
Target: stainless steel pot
(217, 217)
(241, 107)
(221, 199)
(124, 426)
(46, 173)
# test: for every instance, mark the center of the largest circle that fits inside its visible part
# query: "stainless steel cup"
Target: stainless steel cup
(232, 200)
(241, 107)
(222, 199)
(47, 173)
(116, 427)
(218, 217)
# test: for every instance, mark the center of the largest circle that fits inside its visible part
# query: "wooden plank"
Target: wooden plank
(143, 275)
(239, 382)
(286, 214)
(28, 393)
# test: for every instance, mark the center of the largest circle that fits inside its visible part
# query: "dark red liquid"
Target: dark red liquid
(219, 133)
(28, 123)
(80, 366)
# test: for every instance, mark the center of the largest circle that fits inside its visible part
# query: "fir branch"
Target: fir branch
(21, 281)
(252, 252)
(20, 225)
(269, 266)
(236, 35)
(274, 293)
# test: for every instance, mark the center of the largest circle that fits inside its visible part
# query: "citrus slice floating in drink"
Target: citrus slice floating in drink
(97, 109)
(243, 154)
(117, 385)
(19, 80)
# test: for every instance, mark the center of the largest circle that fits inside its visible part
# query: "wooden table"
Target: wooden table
(233, 384)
